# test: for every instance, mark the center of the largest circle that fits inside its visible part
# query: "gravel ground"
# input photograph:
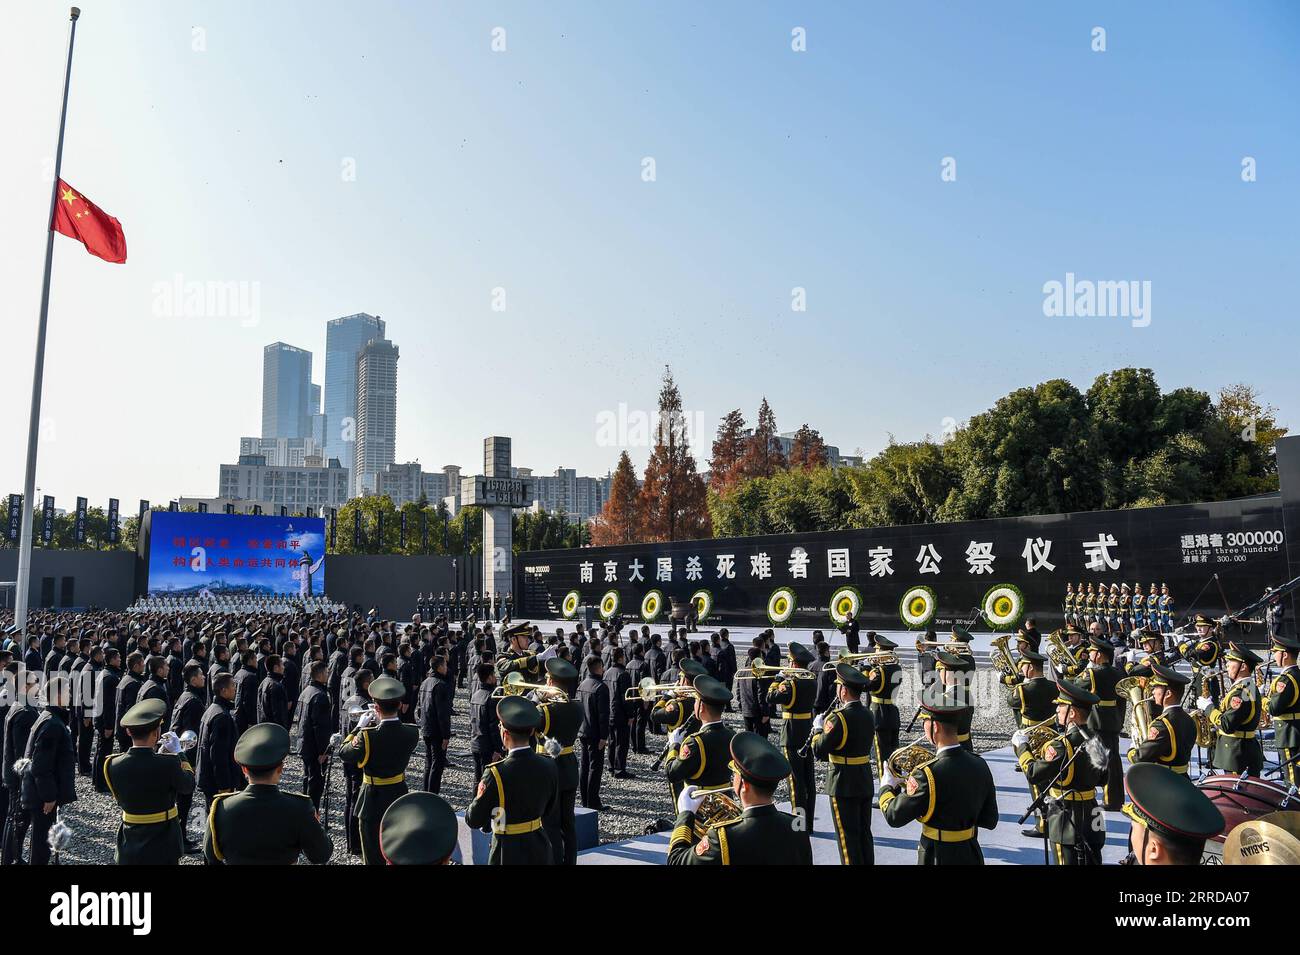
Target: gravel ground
(630, 803)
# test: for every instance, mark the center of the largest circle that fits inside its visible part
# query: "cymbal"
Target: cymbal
(1261, 843)
(1287, 819)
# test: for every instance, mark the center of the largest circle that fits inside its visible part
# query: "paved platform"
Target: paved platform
(1002, 846)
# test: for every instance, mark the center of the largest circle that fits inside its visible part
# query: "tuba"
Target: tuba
(719, 808)
(1001, 656)
(1134, 689)
(1206, 734)
(1060, 655)
(908, 759)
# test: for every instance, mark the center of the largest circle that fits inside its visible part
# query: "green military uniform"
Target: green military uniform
(1203, 653)
(1073, 769)
(883, 681)
(1168, 805)
(1106, 718)
(1152, 642)
(513, 661)
(418, 829)
(1236, 717)
(702, 758)
(958, 694)
(560, 723)
(1172, 734)
(952, 796)
(1283, 704)
(796, 697)
(263, 825)
(381, 753)
(844, 742)
(762, 834)
(1033, 700)
(146, 784)
(1078, 650)
(516, 794)
(676, 712)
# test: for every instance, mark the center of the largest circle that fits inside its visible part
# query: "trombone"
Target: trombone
(877, 658)
(647, 691)
(763, 671)
(515, 686)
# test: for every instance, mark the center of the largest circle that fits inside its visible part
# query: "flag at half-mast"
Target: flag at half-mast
(78, 218)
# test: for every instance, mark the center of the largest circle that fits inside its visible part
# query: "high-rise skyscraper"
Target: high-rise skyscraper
(376, 445)
(286, 391)
(344, 339)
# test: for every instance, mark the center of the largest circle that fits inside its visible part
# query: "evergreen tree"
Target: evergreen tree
(763, 456)
(728, 449)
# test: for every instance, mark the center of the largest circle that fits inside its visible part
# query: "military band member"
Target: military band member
(699, 758)
(843, 739)
(1077, 644)
(1236, 716)
(1172, 819)
(1106, 718)
(883, 682)
(146, 783)
(379, 749)
(1032, 699)
(677, 711)
(263, 825)
(1172, 733)
(518, 656)
(518, 792)
(796, 698)
(955, 671)
(418, 829)
(1203, 654)
(1072, 765)
(951, 796)
(561, 719)
(1283, 704)
(762, 835)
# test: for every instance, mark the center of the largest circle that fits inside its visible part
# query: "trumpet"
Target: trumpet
(878, 658)
(647, 691)
(515, 686)
(760, 671)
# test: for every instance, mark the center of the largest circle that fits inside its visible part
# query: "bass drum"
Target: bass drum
(1241, 800)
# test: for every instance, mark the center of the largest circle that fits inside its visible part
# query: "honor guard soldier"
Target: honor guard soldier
(561, 719)
(1107, 716)
(1283, 704)
(146, 784)
(263, 825)
(1172, 732)
(1072, 764)
(954, 671)
(951, 796)
(1172, 819)
(1125, 610)
(1112, 610)
(418, 829)
(796, 698)
(843, 739)
(1032, 700)
(518, 656)
(1236, 716)
(1089, 607)
(699, 758)
(761, 834)
(1068, 605)
(1166, 605)
(883, 681)
(516, 793)
(1140, 617)
(380, 749)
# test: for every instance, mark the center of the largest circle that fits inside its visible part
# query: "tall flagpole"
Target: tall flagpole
(38, 375)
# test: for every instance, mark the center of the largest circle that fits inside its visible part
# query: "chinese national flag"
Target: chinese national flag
(79, 218)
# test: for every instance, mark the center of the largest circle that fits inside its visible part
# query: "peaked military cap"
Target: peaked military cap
(885, 643)
(1287, 644)
(386, 690)
(756, 759)
(960, 633)
(561, 669)
(1243, 654)
(1169, 804)
(1166, 677)
(263, 745)
(693, 668)
(523, 629)
(1102, 644)
(1203, 621)
(712, 690)
(944, 660)
(849, 675)
(144, 715)
(1075, 695)
(1031, 656)
(518, 713)
(799, 653)
(941, 710)
(418, 829)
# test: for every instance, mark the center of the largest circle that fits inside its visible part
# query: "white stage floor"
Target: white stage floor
(1002, 846)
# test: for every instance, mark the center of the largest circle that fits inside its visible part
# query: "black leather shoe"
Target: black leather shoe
(1033, 834)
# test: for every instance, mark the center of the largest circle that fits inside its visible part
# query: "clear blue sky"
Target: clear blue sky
(522, 170)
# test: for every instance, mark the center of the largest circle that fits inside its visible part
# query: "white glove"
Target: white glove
(1204, 704)
(1019, 738)
(170, 743)
(818, 723)
(688, 801)
(368, 719)
(676, 736)
(889, 779)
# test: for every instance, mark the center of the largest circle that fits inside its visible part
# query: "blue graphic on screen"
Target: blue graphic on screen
(228, 554)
